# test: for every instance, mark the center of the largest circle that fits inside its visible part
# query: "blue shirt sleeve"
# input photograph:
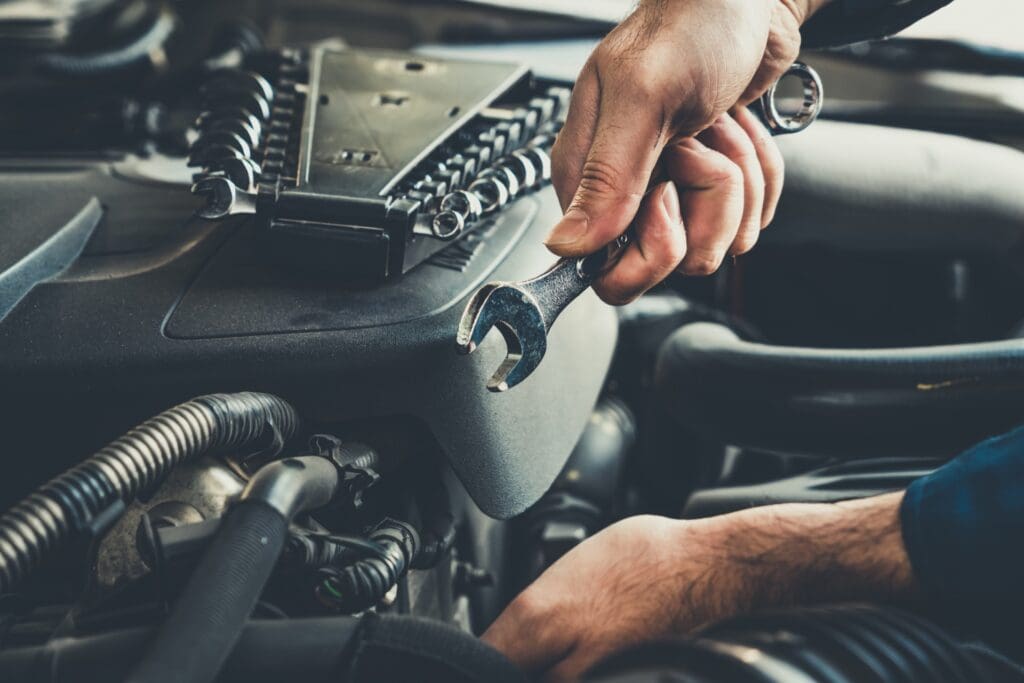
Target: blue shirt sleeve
(963, 527)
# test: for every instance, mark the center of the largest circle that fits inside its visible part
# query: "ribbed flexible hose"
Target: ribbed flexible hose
(831, 643)
(136, 462)
(101, 63)
(362, 584)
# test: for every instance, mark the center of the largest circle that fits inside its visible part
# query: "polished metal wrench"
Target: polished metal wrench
(525, 311)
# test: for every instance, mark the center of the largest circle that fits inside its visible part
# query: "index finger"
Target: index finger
(613, 178)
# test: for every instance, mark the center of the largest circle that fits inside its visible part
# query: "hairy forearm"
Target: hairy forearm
(811, 553)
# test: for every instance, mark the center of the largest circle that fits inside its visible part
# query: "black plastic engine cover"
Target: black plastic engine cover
(160, 307)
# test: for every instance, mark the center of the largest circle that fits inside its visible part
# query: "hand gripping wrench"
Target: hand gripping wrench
(525, 311)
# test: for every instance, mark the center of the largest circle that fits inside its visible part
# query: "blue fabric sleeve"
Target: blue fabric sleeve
(963, 527)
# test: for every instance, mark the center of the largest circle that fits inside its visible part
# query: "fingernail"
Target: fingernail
(570, 229)
(670, 200)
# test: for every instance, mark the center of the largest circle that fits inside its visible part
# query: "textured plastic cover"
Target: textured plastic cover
(161, 307)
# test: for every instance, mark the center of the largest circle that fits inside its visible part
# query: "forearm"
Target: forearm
(812, 553)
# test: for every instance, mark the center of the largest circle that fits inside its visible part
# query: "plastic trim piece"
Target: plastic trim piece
(50, 258)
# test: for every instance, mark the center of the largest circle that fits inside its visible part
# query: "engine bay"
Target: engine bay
(236, 246)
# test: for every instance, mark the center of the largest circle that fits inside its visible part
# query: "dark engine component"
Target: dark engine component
(829, 484)
(838, 644)
(845, 402)
(354, 587)
(586, 493)
(332, 650)
(211, 612)
(364, 163)
(130, 466)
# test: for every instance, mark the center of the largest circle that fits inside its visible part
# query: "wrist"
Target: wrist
(812, 553)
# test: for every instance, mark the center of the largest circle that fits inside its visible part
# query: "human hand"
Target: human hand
(668, 88)
(648, 577)
(639, 579)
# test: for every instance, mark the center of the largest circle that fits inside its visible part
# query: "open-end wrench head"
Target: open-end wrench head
(518, 318)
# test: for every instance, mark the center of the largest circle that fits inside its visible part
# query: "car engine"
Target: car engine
(239, 443)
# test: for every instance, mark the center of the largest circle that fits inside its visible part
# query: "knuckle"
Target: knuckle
(702, 263)
(601, 179)
(646, 83)
(668, 246)
(745, 242)
(673, 253)
(615, 296)
(695, 114)
(727, 174)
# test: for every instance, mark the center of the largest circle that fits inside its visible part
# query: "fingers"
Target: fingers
(711, 193)
(773, 167)
(727, 187)
(730, 139)
(657, 249)
(611, 177)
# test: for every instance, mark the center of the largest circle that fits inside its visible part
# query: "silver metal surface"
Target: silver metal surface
(448, 224)
(223, 198)
(207, 486)
(808, 110)
(493, 194)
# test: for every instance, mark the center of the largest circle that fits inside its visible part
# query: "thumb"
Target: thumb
(627, 141)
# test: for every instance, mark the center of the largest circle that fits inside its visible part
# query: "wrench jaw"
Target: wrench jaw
(520, 360)
(473, 325)
(518, 318)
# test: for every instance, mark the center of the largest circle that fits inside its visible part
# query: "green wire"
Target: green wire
(331, 589)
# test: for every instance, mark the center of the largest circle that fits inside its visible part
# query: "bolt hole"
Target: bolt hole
(414, 66)
(324, 100)
(453, 112)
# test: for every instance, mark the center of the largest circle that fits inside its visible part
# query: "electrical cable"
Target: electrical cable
(116, 59)
(134, 464)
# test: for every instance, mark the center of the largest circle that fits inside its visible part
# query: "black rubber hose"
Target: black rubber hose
(320, 650)
(437, 528)
(208, 618)
(313, 650)
(101, 63)
(930, 401)
(218, 598)
(363, 583)
(135, 463)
